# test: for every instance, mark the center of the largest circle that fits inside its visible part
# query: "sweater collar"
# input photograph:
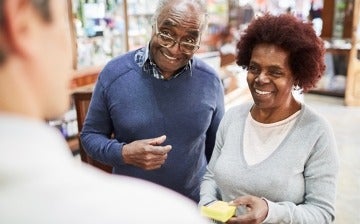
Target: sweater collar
(143, 60)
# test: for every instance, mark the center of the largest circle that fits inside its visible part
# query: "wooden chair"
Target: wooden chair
(82, 101)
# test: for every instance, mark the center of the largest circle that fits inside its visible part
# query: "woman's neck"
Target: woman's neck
(272, 115)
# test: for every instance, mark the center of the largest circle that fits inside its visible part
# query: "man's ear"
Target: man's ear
(19, 16)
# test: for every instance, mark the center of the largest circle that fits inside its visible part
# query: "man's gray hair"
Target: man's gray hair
(200, 3)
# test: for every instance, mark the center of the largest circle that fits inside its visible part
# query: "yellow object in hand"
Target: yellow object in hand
(218, 210)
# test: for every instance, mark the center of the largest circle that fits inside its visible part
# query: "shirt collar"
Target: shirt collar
(143, 59)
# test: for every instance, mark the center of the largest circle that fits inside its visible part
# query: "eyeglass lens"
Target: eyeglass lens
(168, 41)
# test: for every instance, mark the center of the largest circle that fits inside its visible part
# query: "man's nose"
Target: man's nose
(175, 49)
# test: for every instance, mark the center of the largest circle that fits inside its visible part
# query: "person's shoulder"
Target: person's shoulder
(123, 62)
(312, 121)
(240, 109)
(118, 66)
(237, 113)
(199, 64)
(310, 115)
(140, 201)
(87, 195)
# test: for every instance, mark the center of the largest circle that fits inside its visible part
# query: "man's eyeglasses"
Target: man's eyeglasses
(168, 42)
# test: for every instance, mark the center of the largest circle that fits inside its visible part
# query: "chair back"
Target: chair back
(82, 101)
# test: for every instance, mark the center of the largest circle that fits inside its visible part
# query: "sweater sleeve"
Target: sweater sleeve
(208, 189)
(320, 173)
(217, 116)
(96, 133)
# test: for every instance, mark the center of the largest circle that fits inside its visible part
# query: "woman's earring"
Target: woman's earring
(297, 87)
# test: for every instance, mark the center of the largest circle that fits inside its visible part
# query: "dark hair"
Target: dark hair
(306, 49)
(42, 6)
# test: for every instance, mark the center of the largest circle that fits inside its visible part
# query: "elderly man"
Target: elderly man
(40, 182)
(162, 104)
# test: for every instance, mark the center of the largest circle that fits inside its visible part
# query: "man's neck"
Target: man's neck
(16, 96)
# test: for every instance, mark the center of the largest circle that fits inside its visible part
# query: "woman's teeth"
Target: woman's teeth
(261, 92)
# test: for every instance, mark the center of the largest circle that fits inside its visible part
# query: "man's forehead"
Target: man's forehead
(170, 22)
(182, 9)
(188, 20)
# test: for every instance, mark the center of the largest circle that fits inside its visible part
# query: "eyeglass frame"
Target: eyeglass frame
(159, 34)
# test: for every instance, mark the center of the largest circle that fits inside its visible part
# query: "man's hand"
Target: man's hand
(146, 153)
(256, 210)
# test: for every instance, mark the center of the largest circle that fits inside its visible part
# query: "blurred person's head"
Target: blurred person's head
(177, 29)
(35, 57)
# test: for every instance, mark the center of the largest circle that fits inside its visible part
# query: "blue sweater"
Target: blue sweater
(133, 105)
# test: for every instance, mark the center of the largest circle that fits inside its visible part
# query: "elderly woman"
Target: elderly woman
(275, 158)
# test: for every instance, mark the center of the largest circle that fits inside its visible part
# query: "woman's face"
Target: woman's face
(270, 78)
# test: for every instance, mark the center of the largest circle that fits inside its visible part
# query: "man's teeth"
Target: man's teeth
(261, 92)
(168, 57)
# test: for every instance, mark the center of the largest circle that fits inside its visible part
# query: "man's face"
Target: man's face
(53, 60)
(181, 22)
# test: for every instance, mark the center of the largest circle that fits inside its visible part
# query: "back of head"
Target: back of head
(306, 49)
(42, 6)
(35, 57)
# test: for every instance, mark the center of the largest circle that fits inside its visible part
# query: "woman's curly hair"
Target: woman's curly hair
(306, 49)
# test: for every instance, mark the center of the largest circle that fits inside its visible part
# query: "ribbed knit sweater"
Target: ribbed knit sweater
(134, 105)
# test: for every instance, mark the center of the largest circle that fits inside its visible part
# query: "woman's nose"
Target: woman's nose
(262, 77)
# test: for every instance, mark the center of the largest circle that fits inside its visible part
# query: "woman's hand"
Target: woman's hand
(256, 210)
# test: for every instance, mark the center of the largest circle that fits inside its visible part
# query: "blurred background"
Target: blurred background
(103, 29)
